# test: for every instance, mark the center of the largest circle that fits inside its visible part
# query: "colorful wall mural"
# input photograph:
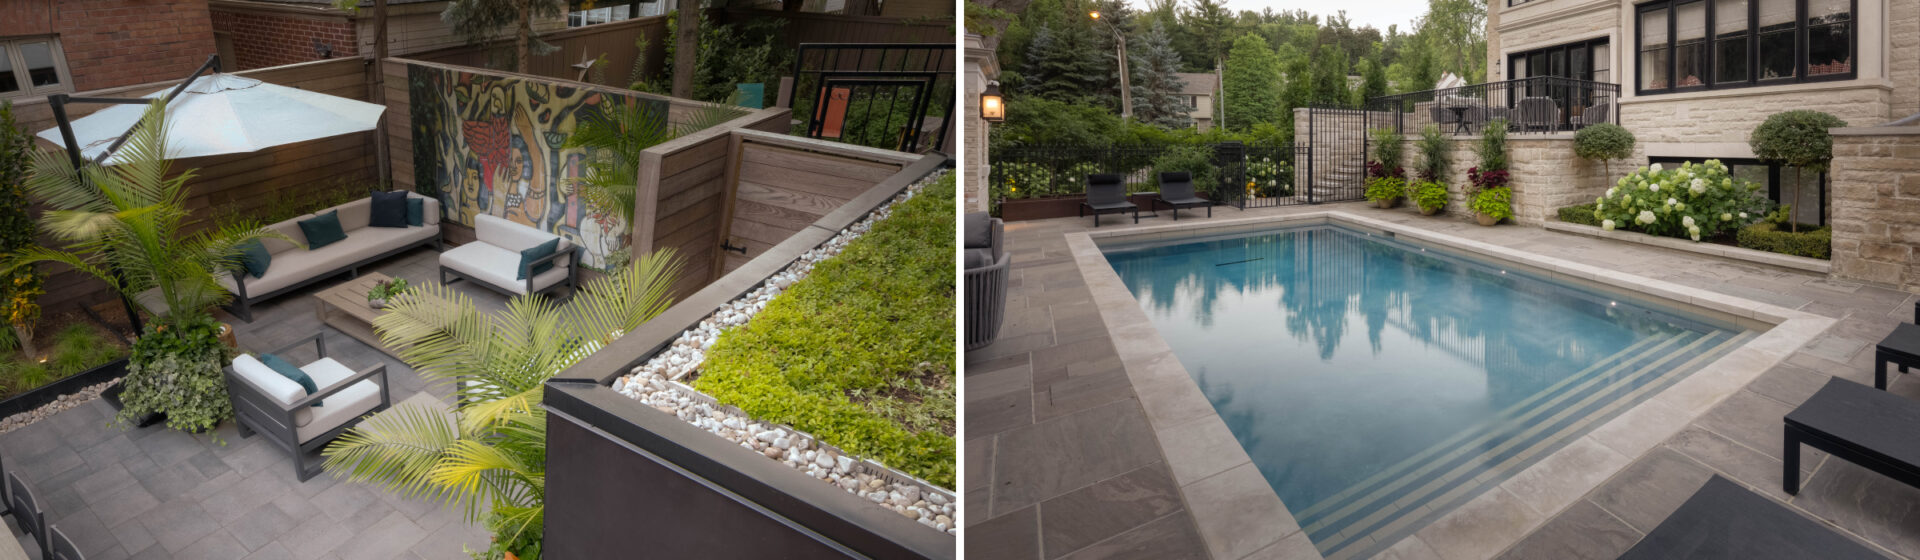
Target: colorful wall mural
(493, 145)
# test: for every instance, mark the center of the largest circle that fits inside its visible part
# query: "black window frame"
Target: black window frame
(1774, 172)
(1709, 78)
(1568, 48)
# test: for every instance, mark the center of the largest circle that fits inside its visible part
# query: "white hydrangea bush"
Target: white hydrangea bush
(1690, 200)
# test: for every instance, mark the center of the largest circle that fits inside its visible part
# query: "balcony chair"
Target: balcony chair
(270, 404)
(1537, 113)
(987, 268)
(1601, 112)
(1176, 190)
(1107, 194)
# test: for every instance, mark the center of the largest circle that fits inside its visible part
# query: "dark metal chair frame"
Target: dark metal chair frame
(1107, 194)
(986, 289)
(1176, 191)
(257, 412)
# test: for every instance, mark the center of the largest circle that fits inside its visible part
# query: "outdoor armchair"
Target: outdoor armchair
(1599, 113)
(987, 268)
(1176, 190)
(1537, 113)
(1106, 194)
(272, 405)
(493, 259)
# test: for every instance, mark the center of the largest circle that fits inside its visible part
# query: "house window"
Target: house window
(1780, 182)
(1713, 44)
(1584, 60)
(32, 67)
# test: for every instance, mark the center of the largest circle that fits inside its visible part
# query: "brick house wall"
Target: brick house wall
(261, 40)
(112, 43)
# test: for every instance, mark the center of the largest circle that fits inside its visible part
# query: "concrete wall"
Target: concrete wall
(1876, 206)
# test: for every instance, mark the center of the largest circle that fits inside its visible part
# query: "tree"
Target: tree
(1373, 79)
(1605, 142)
(1329, 77)
(20, 287)
(1251, 86)
(610, 178)
(1154, 70)
(1797, 139)
(491, 454)
(1209, 22)
(1455, 33)
(481, 21)
(1066, 64)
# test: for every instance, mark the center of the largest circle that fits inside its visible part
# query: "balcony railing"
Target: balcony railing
(1544, 104)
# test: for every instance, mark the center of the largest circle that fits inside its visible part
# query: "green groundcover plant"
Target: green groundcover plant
(861, 352)
(1691, 201)
(1428, 195)
(1385, 188)
(1494, 202)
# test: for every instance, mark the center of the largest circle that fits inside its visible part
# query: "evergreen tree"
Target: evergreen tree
(1252, 84)
(1373, 79)
(1209, 21)
(1066, 64)
(1329, 81)
(1153, 67)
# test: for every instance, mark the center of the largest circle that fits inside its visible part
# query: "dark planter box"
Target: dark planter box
(44, 394)
(112, 396)
(1041, 208)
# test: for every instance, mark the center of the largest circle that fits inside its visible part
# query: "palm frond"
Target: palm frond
(399, 449)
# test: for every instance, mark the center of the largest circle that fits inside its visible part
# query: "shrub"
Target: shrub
(1389, 153)
(1385, 188)
(1605, 142)
(860, 353)
(1487, 180)
(1496, 202)
(1579, 214)
(1429, 195)
(1436, 153)
(1766, 236)
(1267, 177)
(1197, 160)
(1691, 201)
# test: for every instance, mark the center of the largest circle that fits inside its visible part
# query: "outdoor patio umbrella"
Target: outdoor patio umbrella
(227, 114)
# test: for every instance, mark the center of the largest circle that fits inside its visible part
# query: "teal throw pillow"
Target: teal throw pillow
(535, 253)
(255, 258)
(294, 373)
(322, 230)
(416, 211)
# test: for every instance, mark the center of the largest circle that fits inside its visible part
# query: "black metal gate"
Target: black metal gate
(1262, 175)
(1336, 166)
(896, 96)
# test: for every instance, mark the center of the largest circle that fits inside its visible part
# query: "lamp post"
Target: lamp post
(1126, 87)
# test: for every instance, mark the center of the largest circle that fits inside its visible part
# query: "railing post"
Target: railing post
(1311, 180)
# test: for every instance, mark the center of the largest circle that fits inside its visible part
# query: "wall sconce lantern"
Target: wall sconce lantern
(992, 107)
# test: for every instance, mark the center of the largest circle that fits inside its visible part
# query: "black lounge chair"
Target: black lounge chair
(1902, 347)
(1865, 426)
(1176, 190)
(1107, 194)
(1725, 520)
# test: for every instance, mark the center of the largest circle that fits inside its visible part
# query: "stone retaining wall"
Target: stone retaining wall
(1545, 175)
(1876, 205)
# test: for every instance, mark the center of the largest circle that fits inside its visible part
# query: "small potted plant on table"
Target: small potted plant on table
(383, 291)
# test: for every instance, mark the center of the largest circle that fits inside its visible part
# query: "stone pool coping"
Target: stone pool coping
(1238, 515)
(1789, 262)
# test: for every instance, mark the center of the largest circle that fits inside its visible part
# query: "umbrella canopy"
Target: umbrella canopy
(227, 114)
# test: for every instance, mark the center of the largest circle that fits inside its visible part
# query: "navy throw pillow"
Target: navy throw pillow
(322, 230)
(388, 210)
(286, 369)
(255, 258)
(535, 253)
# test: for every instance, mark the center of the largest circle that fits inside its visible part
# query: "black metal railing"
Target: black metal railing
(1231, 173)
(896, 96)
(1544, 104)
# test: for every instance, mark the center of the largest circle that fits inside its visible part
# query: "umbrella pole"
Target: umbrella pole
(58, 103)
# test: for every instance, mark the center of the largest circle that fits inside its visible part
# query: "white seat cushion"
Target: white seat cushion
(296, 266)
(269, 381)
(338, 408)
(499, 267)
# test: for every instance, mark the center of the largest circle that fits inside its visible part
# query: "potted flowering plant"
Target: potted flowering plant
(383, 291)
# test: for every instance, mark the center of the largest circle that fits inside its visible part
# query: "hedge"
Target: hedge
(1766, 236)
(861, 352)
(1580, 214)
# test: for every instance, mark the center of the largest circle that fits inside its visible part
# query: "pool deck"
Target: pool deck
(1069, 464)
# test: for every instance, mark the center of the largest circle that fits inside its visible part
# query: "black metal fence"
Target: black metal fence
(1544, 104)
(896, 96)
(1234, 174)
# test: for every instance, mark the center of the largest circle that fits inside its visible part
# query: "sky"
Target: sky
(1377, 13)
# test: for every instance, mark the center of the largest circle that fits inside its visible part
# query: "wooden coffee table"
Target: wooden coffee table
(344, 307)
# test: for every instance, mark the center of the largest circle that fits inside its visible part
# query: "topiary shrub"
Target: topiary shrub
(1766, 236)
(1797, 139)
(1691, 201)
(1579, 214)
(1605, 142)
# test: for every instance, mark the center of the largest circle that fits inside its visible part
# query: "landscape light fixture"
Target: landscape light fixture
(1126, 85)
(992, 107)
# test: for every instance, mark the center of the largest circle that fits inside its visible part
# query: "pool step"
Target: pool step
(1576, 404)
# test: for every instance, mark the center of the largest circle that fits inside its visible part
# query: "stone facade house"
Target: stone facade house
(1198, 92)
(1696, 76)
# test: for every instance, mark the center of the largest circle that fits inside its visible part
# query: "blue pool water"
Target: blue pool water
(1379, 383)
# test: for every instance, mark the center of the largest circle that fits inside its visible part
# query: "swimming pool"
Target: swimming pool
(1378, 383)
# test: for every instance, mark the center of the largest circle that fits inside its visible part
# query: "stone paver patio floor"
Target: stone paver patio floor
(1061, 462)
(121, 492)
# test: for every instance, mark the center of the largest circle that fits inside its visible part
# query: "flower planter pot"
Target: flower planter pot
(1388, 203)
(377, 303)
(112, 396)
(1430, 211)
(1041, 208)
(1486, 220)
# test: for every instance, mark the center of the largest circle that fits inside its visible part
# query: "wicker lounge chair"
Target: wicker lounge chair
(1107, 194)
(987, 268)
(1176, 190)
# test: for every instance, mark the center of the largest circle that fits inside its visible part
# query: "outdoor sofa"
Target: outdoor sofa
(1176, 191)
(496, 259)
(294, 266)
(1106, 194)
(269, 403)
(987, 267)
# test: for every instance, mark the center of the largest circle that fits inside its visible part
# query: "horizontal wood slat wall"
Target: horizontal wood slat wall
(782, 184)
(241, 182)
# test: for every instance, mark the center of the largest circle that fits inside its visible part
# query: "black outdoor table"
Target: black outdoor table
(1871, 428)
(1725, 520)
(1459, 119)
(1901, 347)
